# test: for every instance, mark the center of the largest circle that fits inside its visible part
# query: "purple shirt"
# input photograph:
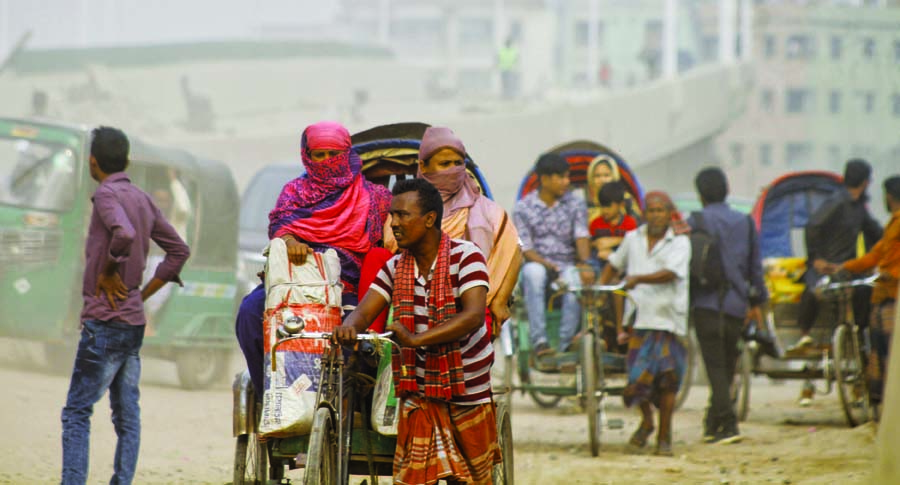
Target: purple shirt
(123, 222)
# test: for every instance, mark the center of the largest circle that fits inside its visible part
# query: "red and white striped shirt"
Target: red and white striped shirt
(467, 270)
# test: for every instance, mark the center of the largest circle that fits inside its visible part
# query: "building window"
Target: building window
(837, 46)
(737, 154)
(798, 154)
(868, 48)
(476, 36)
(766, 100)
(834, 102)
(765, 155)
(800, 47)
(770, 44)
(896, 99)
(867, 100)
(798, 100)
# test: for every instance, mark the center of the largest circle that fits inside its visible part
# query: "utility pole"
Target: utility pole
(726, 31)
(670, 40)
(4, 29)
(747, 39)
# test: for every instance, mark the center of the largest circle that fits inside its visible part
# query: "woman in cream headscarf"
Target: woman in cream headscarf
(604, 169)
(469, 215)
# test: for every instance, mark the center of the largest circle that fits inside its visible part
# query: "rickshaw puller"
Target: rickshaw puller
(885, 256)
(437, 287)
(655, 259)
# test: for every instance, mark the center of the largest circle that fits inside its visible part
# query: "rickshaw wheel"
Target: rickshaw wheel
(740, 388)
(685, 389)
(592, 382)
(545, 401)
(250, 458)
(503, 472)
(201, 367)
(321, 460)
(849, 372)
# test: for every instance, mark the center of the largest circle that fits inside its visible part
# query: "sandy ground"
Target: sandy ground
(187, 436)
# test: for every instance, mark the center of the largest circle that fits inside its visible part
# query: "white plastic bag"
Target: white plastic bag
(385, 414)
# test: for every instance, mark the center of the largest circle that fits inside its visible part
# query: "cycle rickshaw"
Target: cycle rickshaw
(341, 441)
(781, 213)
(599, 362)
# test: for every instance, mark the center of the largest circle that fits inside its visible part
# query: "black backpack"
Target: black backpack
(707, 270)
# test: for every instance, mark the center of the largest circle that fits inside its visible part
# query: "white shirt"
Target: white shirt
(659, 306)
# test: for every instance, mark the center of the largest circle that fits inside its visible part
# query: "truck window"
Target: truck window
(37, 175)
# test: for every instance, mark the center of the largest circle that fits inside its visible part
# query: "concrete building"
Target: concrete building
(826, 89)
(562, 44)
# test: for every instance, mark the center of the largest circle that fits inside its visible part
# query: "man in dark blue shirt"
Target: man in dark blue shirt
(719, 315)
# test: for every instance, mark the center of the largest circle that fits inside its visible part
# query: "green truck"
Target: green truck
(45, 208)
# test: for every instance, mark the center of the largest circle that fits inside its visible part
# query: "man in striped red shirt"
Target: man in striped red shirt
(438, 288)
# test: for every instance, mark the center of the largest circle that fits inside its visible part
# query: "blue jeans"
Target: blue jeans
(248, 326)
(108, 358)
(534, 285)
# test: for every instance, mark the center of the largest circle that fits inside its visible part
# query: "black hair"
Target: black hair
(892, 187)
(110, 147)
(856, 172)
(551, 164)
(429, 198)
(611, 193)
(712, 185)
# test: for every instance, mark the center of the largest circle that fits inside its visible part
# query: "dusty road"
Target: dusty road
(187, 436)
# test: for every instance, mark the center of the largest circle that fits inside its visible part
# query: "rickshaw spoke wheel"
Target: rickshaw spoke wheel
(250, 458)
(321, 461)
(849, 374)
(503, 472)
(592, 383)
(740, 387)
(685, 389)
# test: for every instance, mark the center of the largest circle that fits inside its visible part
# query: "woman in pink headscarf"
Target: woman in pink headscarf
(469, 215)
(331, 206)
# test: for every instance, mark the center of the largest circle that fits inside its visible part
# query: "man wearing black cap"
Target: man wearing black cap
(832, 235)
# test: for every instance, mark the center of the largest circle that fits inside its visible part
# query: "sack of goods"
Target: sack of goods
(312, 293)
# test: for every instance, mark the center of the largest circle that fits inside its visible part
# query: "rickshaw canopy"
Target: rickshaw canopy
(784, 207)
(580, 154)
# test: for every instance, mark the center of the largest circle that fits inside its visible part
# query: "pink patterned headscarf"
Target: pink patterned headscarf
(327, 135)
(332, 205)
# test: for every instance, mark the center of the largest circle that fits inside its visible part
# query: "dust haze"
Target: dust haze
(217, 90)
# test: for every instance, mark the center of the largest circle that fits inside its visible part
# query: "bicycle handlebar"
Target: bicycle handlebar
(603, 288)
(359, 336)
(825, 284)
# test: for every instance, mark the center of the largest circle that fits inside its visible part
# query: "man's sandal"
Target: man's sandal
(639, 438)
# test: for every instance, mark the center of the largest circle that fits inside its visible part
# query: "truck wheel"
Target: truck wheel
(200, 368)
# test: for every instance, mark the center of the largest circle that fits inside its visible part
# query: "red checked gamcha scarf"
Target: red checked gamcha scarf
(444, 376)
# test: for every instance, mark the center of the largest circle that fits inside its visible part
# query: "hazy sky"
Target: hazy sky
(76, 23)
